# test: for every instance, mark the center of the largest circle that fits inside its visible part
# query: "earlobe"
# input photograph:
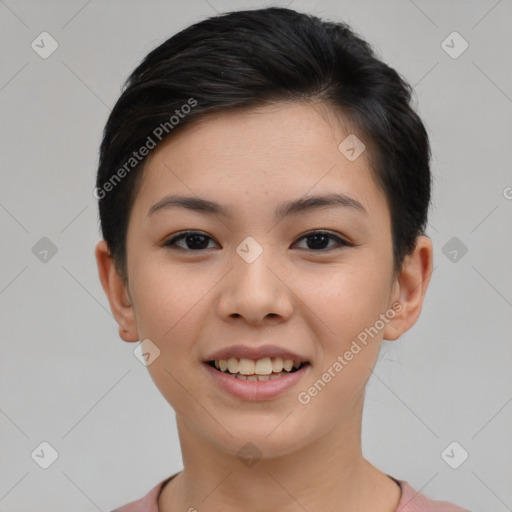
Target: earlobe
(117, 293)
(410, 287)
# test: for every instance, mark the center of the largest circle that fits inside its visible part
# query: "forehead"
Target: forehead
(261, 154)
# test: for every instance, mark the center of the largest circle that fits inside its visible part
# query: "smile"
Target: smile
(249, 379)
(257, 370)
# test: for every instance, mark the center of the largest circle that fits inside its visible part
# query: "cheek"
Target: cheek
(171, 308)
(169, 302)
(168, 299)
(347, 307)
(349, 334)
(347, 301)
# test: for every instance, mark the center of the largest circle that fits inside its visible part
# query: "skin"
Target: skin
(312, 301)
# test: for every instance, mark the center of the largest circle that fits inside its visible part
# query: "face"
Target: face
(203, 281)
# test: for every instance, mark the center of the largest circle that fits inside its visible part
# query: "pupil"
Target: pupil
(317, 244)
(201, 240)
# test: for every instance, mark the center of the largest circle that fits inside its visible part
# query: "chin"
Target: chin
(268, 438)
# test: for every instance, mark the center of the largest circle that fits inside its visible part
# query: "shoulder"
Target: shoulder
(149, 503)
(411, 501)
(414, 501)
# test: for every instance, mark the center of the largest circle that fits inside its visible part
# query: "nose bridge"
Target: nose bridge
(250, 250)
(253, 289)
(251, 265)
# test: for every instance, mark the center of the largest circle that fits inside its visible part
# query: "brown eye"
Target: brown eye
(319, 240)
(193, 240)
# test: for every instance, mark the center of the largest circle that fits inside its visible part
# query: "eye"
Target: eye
(197, 241)
(318, 239)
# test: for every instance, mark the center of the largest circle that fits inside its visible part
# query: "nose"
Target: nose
(256, 291)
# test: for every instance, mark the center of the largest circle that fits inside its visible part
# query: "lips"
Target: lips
(271, 387)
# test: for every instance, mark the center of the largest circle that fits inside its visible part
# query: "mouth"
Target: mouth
(257, 370)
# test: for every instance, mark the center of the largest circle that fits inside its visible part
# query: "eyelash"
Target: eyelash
(341, 242)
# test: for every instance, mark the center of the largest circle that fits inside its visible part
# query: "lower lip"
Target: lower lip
(256, 390)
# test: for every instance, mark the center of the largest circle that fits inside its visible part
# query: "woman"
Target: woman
(263, 191)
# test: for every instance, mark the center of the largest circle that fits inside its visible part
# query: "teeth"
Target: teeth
(263, 366)
(246, 369)
(277, 365)
(272, 376)
(233, 365)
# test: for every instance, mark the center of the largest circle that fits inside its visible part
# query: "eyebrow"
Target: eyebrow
(293, 207)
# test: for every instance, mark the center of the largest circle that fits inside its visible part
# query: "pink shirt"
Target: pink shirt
(411, 501)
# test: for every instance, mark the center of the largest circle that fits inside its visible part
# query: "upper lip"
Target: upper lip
(250, 352)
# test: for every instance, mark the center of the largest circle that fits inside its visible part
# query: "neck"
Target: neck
(328, 473)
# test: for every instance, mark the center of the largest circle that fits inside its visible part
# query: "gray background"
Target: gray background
(66, 377)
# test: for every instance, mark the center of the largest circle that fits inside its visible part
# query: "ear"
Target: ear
(409, 288)
(117, 293)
